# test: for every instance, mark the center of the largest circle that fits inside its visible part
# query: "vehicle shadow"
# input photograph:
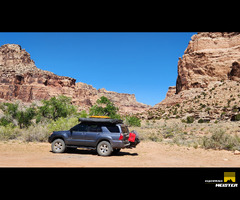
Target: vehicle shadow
(123, 153)
(94, 152)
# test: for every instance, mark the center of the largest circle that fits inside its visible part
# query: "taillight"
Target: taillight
(121, 136)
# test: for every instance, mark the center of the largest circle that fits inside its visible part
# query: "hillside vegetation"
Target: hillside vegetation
(35, 123)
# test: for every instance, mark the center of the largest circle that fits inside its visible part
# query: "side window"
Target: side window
(94, 128)
(113, 129)
(80, 127)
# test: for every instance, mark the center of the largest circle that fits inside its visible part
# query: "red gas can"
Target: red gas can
(132, 137)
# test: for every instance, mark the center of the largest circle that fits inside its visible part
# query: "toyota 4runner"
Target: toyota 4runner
(105, 135)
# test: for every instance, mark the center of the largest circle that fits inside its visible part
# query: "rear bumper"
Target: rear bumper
(120, 144)
(117, 144)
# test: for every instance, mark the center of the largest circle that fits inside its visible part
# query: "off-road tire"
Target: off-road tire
(58, 146)
(104, 148)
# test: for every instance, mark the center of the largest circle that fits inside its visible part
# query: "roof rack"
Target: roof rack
(101, 120)
(103, 117)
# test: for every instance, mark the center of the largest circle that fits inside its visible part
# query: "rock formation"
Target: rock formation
(208, 57)
(22, 80)
(207, 85)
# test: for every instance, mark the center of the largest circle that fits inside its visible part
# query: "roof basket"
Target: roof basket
(101, 120)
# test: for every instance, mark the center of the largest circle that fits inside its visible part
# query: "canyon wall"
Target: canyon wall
(210, 56)
(21, 80)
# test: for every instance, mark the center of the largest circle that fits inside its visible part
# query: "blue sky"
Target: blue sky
(140, 63)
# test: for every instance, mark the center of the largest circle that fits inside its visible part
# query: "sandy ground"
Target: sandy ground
(147, 154)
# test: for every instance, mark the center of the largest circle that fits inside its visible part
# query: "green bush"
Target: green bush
(132, 121)
(35, 123)
(189, 120)
(235, 117)
(203, 121)
(82, 114)
(4, 121)
(62, 124)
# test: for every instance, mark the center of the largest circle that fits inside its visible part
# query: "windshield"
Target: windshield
(124, 129)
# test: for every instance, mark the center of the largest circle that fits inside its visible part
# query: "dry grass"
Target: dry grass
(221, 135)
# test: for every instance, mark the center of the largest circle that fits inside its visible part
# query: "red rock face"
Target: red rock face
(21, 80)
(209, 57)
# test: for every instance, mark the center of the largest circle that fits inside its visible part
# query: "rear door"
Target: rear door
(114, 130)
(92, 134)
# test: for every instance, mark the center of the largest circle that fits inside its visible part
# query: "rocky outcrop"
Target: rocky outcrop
(127, 102)
(22, 80)
(208, 80)
(208, 57)
(235, 72)
(171, 91)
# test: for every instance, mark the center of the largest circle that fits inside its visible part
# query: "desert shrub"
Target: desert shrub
(203, 121)
(221, 140)
(235, 117)
(35, 133)
(189, 120)
(181, 139)
(155, 137)
(8, 132)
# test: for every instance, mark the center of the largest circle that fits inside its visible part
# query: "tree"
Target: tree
(9, 109)
(104, 107)
(57, 107)
(14, 115)
(24, 117)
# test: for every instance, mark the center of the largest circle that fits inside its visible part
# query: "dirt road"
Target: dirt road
(147, 154)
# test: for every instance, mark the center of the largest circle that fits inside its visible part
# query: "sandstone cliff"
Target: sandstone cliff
(22, 80)
(208, 80)
(210, 56)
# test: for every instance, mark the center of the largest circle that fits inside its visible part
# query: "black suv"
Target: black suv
(101, 133)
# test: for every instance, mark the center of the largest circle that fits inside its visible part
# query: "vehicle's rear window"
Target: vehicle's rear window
(124, 129)
(113, 129)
